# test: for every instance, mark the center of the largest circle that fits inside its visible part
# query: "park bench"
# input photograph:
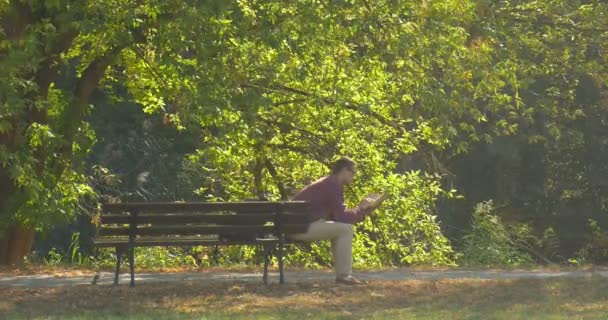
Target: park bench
(124, 226)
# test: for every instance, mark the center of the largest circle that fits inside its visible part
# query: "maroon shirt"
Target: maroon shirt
(326, 197)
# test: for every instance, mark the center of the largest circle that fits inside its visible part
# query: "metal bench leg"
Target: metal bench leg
(131, 265)
(280, 257)
(267, 256)
(215, 254)
(118, 260)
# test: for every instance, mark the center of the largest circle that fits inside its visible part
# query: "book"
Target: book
(374, 200)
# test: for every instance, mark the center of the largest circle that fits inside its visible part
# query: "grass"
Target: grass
(582, 298)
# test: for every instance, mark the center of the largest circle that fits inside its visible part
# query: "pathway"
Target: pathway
(106, 278)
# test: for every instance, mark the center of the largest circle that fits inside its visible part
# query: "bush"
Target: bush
(596, 248)
(490, 243)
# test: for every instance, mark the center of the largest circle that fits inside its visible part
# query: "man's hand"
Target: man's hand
(365, 204)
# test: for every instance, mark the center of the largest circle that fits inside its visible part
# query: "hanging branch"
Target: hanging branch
(425, 150)
(346, 104)
(273, 173)
(282, 125)
(257, 172)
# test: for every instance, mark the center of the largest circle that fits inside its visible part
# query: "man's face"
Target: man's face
(348, 174)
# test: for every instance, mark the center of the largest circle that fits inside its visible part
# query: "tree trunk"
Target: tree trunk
(4, 247)
(15, 245)
(26, 241)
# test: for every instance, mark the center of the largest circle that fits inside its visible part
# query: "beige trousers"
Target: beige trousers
(341, 236)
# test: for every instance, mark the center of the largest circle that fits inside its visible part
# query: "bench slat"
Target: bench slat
(245, 207)
(143, 242)
(228, 219)
(204, 229)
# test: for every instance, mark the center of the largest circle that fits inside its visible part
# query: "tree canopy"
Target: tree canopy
(275, 89)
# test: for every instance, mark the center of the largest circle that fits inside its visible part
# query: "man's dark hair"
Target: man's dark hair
(343, 163)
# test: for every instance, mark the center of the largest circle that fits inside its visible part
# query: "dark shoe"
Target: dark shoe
(349, 280)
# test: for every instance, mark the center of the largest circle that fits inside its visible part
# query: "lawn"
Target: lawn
(583, 298)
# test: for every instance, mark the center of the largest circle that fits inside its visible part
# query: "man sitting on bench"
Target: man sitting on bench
(331, 219)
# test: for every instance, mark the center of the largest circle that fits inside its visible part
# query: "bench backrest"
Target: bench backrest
(242, 219)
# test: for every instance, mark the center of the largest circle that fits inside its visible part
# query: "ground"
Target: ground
(396, 294)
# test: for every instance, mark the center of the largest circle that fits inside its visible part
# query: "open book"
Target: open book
(374, 200)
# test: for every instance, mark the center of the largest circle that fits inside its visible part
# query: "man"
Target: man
(330, 218)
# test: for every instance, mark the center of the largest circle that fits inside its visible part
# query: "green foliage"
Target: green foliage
(405, 230)
(45, 198)
(273, 90)
(550, 244)
(489, 242)
(549, 166)
(595, 249)
(73, 255)
(163, 257)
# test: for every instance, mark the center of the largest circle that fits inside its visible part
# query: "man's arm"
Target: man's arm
(341, 213)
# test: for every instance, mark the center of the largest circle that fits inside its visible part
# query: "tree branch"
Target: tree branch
(281, 126)
(280, 103)
(273, 173)
(257, 172)
(355, 107)
(346, 104)
(48, 73)
(87, 83)
(533, 16)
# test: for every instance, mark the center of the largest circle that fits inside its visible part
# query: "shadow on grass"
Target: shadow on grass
(445, 299)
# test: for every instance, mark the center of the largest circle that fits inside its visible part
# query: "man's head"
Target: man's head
(344, 169)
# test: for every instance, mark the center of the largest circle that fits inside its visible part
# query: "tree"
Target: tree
(545, 169)
(277, 88)
(211, 63)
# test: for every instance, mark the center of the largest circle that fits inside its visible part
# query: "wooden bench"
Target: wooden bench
(125, 226)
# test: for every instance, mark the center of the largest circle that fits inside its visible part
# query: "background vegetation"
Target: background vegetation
(484, 120)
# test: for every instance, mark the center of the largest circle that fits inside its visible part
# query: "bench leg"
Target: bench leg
(280, 257)
(118, 260)
(267, 256)
(215, 254)
(131, 265)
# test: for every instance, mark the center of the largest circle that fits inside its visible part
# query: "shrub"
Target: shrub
(596, 248)
(490, 243)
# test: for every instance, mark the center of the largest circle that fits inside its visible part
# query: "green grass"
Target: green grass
(584, 298)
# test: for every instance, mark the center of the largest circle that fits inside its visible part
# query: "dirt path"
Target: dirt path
(105, 278)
